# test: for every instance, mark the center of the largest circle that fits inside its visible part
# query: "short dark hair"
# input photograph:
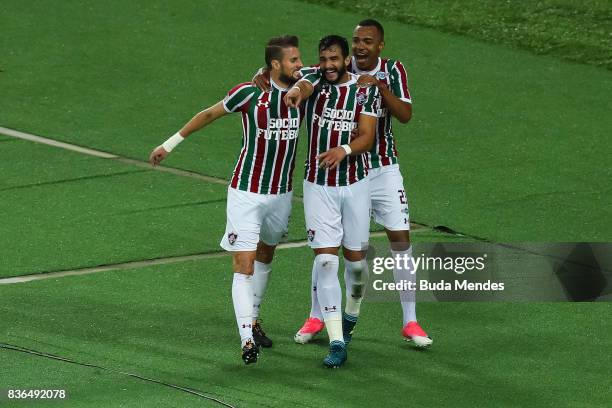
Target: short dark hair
(331, 40)
(274, 48)
(373, 23)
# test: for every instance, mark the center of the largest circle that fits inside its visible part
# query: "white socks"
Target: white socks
(400, 273)
(260, 283)
(329, 294)
(315, 308)
(355, 280)
(242, 295)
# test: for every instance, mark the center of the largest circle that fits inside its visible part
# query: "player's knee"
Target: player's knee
(243, 262)
(265, 252)
(353, 256)
(399, 240)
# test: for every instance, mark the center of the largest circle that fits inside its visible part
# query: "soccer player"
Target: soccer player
(336, 189)
(387, 192)
(260, 191)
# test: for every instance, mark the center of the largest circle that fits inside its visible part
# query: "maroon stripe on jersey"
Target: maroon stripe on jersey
(282, 146)
(352, 169)
(260, 152)
(314, 138)
(382, 144)
(335, 135)
(292, 167)
(404, 76)
(381, 123)
(245, 142)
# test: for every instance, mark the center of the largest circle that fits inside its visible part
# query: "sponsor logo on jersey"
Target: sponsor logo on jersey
(381, 75)
(264, 104)
(232, 237)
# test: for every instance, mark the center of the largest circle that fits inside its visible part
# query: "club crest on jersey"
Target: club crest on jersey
(361, 98)
(232, 237)
(311, 235)
(381, 75)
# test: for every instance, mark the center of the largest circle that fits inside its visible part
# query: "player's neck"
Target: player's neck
(345, 78)
(370, 68)
(275, 76)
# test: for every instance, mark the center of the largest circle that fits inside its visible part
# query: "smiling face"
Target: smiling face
(288, 66)
(367, 46)
(333, 64)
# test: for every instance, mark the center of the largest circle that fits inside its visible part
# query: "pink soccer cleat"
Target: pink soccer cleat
(413, 332)
(309, 330)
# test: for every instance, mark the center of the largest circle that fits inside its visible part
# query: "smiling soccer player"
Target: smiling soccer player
(260, 190)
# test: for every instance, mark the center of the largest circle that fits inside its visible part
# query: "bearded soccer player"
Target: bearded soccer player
(387, 192)
(260, 191)
(336, 189)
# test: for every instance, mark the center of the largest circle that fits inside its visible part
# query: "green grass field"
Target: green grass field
(505, 145)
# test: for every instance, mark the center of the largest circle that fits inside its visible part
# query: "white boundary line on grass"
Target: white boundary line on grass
(105, 155)
(132, 264)
(140, 264)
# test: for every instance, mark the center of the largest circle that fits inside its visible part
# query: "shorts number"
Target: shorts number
(402, 196)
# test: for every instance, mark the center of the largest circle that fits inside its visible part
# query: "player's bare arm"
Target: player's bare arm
(196, 123)
(298, 93)
(401, 110)
(367, 133)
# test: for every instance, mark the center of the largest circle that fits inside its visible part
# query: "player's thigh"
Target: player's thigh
(244, 218)
(276, 220)
(389, 199)
(356, 215)
(323, 215)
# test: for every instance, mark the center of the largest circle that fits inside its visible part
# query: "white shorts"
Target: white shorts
(337, 215)
(252, 217)
(389, 200)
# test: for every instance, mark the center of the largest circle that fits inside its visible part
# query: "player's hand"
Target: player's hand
(365, 81)
(331, 158)
(157, 155)
(297, 75)
(293, 98)
(262, 80)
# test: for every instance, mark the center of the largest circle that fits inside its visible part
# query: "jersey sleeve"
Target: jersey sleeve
(314, 69)
(237, 98)
(399, 82)
(371, 107)
(313, 78)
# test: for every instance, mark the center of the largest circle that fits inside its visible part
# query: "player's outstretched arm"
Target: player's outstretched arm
(196, 123)
(360, 145)
(298, 93)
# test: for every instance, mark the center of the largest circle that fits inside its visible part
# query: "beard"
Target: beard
(340, 73)
(287, 79)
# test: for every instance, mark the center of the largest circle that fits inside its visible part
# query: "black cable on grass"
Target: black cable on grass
(67, 360)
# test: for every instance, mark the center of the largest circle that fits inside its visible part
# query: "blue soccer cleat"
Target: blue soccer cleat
(348, 325)
(337, 354)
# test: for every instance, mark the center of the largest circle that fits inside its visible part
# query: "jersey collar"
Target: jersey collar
(277, 86)
(360, 72)
(351, 81)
